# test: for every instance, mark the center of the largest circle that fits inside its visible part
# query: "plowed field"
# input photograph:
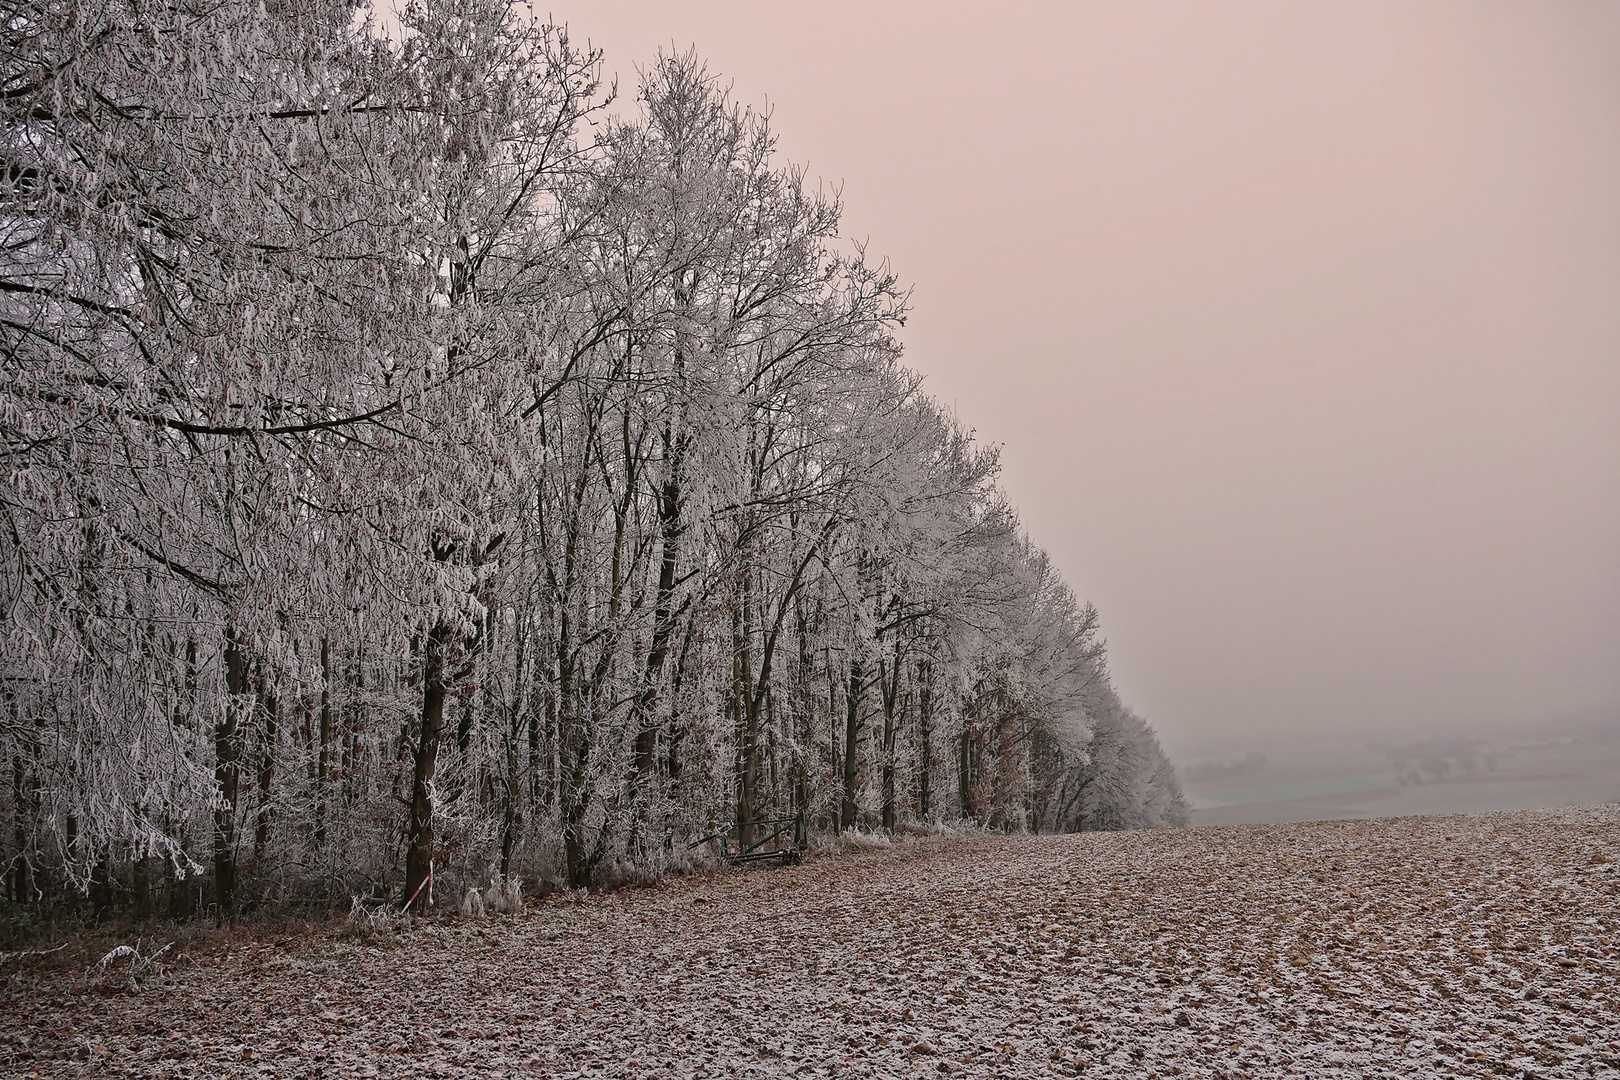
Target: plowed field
(1455, 946)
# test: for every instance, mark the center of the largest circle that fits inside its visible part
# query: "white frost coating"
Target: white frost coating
(392, 443)
(1479, 946)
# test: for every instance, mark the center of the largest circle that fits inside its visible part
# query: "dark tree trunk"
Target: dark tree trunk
(227, 754)
(853, 694)
(573, 799)
(419, 830)
(22, 871)
(512, 819)
(889, 687)
(889, 814)
(323, 767)
(351, 730)
(270, 710)
(925, 737)
(804, 735)
(537, 713)
(835, 695)
(101, 887)
(964, 766)
(141, 886)
(747, 713)
(645, 712)
(509, 830)
(677, 729)
(551, 759)
(573, 761)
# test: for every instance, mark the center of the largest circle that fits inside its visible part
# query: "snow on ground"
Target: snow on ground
(1455, 946)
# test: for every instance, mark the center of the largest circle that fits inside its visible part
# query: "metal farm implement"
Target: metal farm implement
(758, 851)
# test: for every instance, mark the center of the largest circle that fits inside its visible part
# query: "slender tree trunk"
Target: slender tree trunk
(182, 891)
(512, 819)
(889, 813)
(645, 712)
(227, 753)
(773, 751)
(747, 714)
(551, 761)
(572, 799)
(677, 727)
(467, 713)
(925, 737)
(835, 695)
(70, 830)
(323, 767)
(141, 885)
(270, 712)
(964, 765)
(853, 694)
(101, 887)
(305, 731)
(964, 775)
(541, 725)
(22, 877)
(573, 752)
(419, 831)
(804, 735)
(351, 730)
(516, 720)
(889, 686)
(536, 715)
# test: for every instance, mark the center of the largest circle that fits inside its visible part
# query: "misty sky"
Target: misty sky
(1299, 322)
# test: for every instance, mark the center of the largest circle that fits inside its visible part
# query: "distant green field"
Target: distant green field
(1299, 789)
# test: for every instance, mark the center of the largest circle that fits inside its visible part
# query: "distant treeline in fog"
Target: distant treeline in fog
(416, 472)
(1435, 758)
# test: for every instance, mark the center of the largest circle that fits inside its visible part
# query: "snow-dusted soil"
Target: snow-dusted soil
(1458, 946)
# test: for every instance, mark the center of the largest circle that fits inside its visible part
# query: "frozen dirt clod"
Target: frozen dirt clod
(1459, 946)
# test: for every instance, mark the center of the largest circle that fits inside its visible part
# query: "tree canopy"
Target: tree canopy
(418, 471)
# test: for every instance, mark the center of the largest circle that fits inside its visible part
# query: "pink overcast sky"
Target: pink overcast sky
(1299, 322)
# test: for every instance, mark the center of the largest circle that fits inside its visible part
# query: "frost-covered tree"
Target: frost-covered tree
(417, 475)
(1124, 781)
(199, 290)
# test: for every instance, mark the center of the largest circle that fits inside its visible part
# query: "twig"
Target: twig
(23, 954)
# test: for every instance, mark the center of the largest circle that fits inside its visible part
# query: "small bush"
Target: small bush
(366, 920)
(140, 970)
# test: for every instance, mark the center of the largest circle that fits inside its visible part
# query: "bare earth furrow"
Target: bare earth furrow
(1463, 946)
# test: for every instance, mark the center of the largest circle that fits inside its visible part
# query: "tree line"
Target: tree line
(418, 471)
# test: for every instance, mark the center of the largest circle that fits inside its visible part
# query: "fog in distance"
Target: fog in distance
(1299, 323)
